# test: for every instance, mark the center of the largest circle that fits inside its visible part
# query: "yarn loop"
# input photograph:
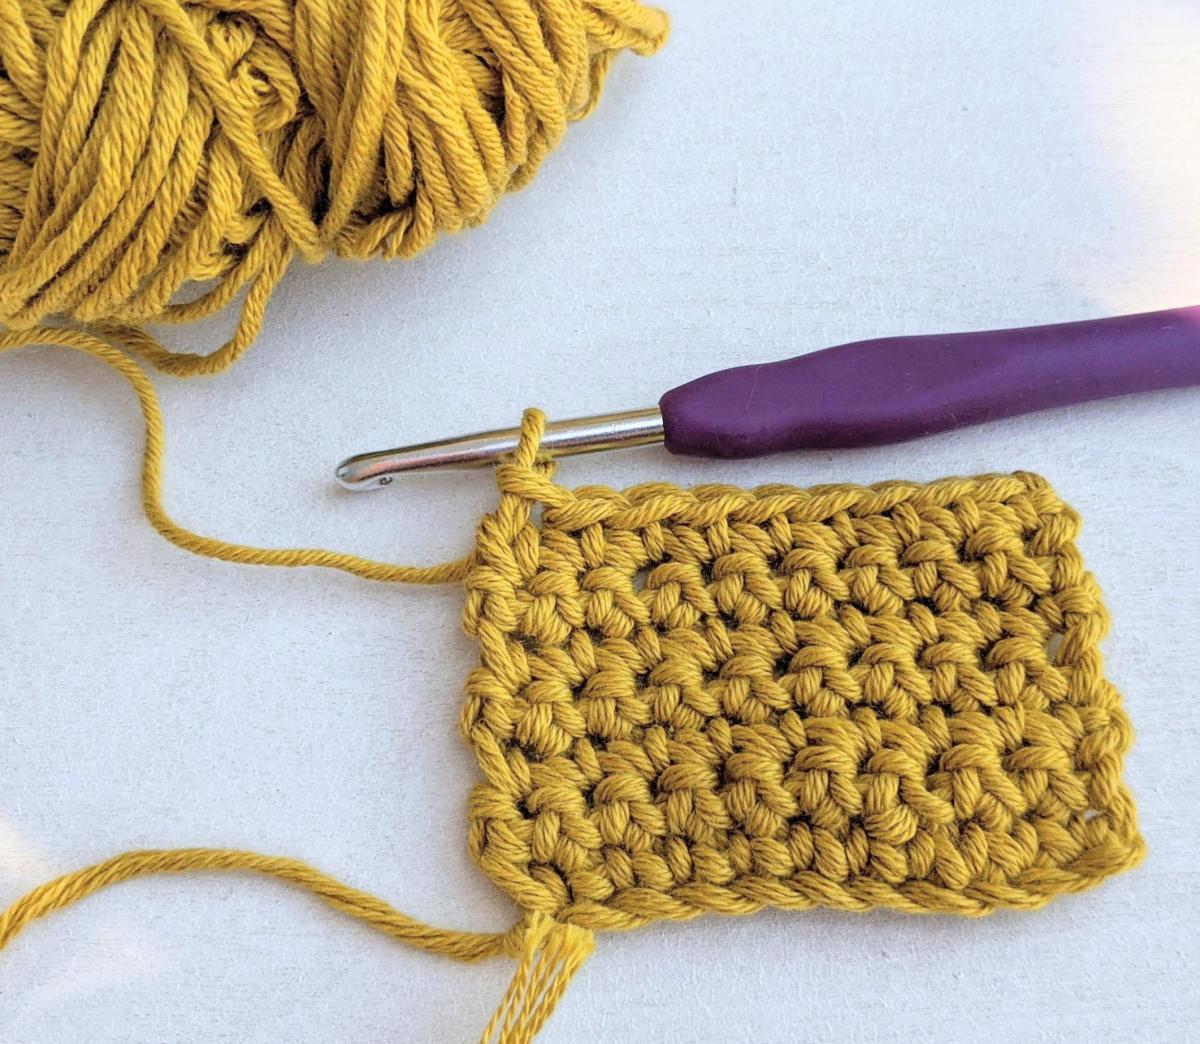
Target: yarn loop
(162, 159)
(159, 159)
(687, 701)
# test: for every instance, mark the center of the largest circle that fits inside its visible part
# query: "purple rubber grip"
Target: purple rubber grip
(870, 393)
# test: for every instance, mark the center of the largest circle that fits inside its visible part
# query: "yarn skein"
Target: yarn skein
(160, 159)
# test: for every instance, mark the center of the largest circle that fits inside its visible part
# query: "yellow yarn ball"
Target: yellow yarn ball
(159, 158)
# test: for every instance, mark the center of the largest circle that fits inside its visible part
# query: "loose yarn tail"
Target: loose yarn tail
(161, 160)
(71, 888)
(152, 480)
(550, 958)
(550, 952)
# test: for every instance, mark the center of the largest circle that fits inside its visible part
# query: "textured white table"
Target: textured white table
(782, 177)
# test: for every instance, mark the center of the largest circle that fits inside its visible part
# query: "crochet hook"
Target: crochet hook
(866, 393)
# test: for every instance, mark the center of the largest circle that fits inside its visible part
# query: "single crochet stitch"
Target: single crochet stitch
(687, 700)
(721, 699)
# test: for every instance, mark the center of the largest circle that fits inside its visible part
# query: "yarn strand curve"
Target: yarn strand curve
(549, 953)
(159, 159)
(163, 160)
(152, 482)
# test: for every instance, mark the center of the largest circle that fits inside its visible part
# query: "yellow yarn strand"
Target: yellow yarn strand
(152, 468)
(160, 160)
(71, 888)
(158, 148)
(551, 953)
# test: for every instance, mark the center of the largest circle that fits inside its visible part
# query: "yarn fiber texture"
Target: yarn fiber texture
(722, 699)
(161, 158)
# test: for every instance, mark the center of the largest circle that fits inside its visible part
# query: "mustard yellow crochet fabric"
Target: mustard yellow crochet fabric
(722, 699)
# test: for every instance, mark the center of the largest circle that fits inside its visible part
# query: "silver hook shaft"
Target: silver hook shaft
(561, 439)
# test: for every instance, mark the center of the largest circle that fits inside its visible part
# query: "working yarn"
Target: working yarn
(151, 149)
(687, 701)
(160, 159)
(720, 700)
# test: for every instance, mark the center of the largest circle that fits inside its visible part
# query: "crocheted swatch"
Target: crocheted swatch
(723, 699)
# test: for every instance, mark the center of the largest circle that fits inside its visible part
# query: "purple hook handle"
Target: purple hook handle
(870, 393)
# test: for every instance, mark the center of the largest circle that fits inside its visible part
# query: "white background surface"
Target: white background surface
(782, 177)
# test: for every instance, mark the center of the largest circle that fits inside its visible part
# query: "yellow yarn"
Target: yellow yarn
(152, 480)
(722, 699)
(159, 159)
(150, 148)
(687, 700)
(550, 953)
(70, 888)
